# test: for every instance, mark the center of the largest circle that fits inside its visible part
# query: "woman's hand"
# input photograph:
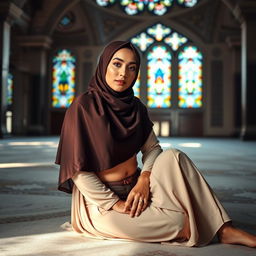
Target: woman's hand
(119, 206)
(137, 199)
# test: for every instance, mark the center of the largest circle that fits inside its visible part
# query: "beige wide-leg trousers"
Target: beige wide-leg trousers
(177, 189)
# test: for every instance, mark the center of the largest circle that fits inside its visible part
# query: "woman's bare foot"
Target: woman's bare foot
(231, 235)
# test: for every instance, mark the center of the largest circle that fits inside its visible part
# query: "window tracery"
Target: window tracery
(162, 47)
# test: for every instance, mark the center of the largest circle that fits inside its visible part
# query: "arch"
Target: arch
(61, 10)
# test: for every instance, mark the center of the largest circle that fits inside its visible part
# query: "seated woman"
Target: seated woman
(167, 201)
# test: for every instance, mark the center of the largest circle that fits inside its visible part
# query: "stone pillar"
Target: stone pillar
(36, 60)
(234, 43)
(245, 11)
(8, 13)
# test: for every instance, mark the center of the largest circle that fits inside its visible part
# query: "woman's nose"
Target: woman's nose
(123, 72)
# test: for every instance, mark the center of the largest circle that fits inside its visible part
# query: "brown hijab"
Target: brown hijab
(102, 127)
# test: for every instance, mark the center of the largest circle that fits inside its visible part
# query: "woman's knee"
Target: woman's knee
(168, 155)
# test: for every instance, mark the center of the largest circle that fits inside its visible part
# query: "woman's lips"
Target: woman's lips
(120, 82)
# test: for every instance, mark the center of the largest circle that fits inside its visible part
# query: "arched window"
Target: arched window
(173, 63)
(190, 77)
(63, 79)
(156, 7)
(136, 87)
(159, 77)
(8, 114)
(9, 89)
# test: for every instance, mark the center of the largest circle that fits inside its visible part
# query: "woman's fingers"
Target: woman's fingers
(137, 207)
(145, 204)
(136, 203)
(140, 207)
(128, 203)
(134, 206)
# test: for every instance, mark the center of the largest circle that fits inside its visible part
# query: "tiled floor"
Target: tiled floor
(32, 210)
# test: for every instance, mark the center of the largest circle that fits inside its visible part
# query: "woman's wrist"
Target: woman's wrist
(145, 176)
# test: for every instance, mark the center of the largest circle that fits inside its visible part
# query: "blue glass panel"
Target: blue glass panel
(190, 77)
(159, 77)
(63, 84)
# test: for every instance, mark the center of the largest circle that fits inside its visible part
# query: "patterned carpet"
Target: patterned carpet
(32, 210)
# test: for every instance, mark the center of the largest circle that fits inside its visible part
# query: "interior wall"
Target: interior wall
(209, 25)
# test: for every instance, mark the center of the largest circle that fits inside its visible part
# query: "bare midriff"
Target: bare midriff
(120, 171)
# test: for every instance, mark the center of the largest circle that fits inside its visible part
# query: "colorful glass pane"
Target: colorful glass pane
(132, 7)
(143, 41)
(65, 21)
(157, 7)
(9, 89)
(159, 31)
(188, 3)
(175, 40)
(190, 77)
(105, 2)
(136, 87)
(63, 84)
(159, 77)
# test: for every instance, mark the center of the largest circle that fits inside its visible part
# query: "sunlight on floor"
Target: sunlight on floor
(191, 145)
(33, 143)
(17, 165)
(184, 145)
(42, 244)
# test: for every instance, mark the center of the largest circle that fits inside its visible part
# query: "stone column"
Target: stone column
(245, 11)
(36, 60)
(234, 43)
(8, 13)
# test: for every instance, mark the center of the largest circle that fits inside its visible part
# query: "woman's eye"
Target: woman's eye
(132, 68)
(117, 64)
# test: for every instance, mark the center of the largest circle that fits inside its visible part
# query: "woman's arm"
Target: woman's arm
(150, 151)
(137, 199)
(94, 190)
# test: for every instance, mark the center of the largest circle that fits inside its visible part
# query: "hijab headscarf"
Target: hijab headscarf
(102, 127)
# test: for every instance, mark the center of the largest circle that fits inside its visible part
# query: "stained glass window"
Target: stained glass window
(190, 77)
(63, 83)
(159, 31)
(105, 2)
(159, 7)
(189, 62)
(136, 87)
(132, 7)
(175, 40)
(159, 77)
(143, 41)
(9, 89)
(187, 3)
(67, 21)
(156, 7)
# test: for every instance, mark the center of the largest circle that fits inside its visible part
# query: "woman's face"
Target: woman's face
(121, 70)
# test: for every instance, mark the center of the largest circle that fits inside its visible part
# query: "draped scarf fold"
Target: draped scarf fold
(102, 128)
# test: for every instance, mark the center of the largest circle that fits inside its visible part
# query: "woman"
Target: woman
(167, 201)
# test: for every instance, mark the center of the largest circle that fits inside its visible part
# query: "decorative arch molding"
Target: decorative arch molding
(80, 15)
(57, 14)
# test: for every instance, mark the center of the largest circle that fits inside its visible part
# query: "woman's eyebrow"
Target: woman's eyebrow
(132, 62)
